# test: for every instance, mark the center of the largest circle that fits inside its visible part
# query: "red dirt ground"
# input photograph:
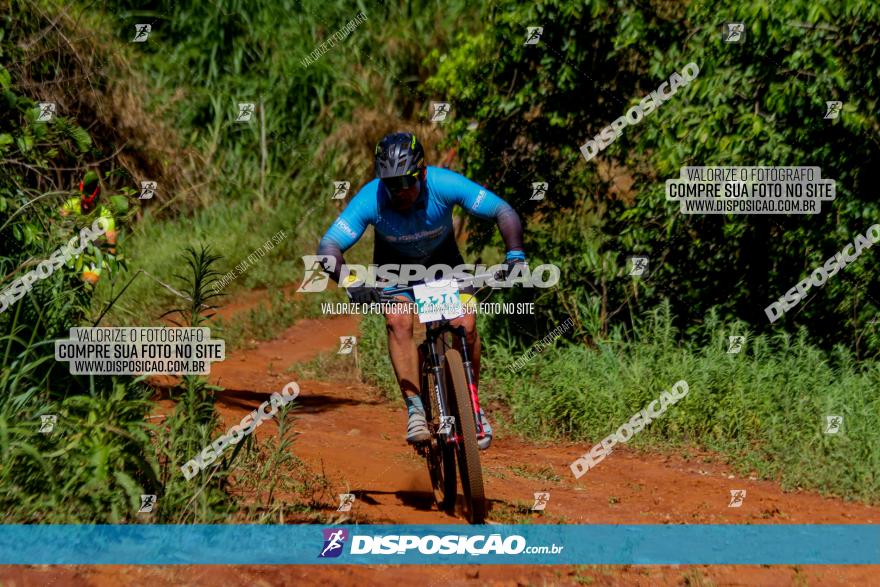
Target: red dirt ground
(355, 436)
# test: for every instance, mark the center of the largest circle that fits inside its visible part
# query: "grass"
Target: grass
(92, 467)
(516, 513)
(762, 408)
(166, 104)
(376, 366)
(328, 366)
(105, 452)
(275, 173)
(272, 470)
(536, 473)
(245, 230)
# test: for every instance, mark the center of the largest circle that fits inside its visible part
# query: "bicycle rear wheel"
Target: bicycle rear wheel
(466, 448)
(440, 455)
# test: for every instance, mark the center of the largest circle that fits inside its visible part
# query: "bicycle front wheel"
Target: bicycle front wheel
(466, 448)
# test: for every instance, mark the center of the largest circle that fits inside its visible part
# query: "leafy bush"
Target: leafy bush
(761, 102)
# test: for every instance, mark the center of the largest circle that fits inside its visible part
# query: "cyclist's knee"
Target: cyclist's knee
(469, 323)
(399, 325)
(472, 335)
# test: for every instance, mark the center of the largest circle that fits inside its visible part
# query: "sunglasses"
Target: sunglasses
(397, 184)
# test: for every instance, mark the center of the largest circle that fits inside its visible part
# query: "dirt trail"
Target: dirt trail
(356, 437)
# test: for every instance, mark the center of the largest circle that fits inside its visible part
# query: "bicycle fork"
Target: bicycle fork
(471, 381)
(436, 368)
(432, 336)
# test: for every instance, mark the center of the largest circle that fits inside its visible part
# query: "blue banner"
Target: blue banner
(440, 544)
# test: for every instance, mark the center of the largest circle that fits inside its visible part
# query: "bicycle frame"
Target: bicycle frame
(433, 335)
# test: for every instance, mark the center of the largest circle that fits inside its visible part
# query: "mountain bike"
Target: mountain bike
(449, 394)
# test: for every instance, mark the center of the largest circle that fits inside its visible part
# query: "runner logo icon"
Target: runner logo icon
(141, 32)
(441, 109)
(47, 423)
(147, 503)
(833, 424)
(316, 277)
(539, 190)
(340, 189)
(834, 108)
(639, 265)
(735, 344)
(734, 32)
(47, 111)
(334, 540)
(148, 190)
(346, 345)
(534, 35)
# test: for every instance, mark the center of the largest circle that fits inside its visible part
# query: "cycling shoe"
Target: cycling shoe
(417, 428)
(483, 443)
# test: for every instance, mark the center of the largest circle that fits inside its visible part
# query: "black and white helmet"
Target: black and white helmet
(399, 159)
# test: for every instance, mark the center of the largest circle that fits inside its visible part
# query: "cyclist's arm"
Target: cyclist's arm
(345, 231)
(480, 202)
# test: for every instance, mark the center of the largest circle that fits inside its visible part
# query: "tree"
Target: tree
(758, 102)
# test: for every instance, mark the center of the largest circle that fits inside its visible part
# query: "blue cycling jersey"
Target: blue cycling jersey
(417, 232)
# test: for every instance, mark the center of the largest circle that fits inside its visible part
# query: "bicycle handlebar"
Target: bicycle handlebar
(388, 294)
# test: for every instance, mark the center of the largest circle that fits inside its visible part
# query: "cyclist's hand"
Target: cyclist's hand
(362, 295)
(513, 259)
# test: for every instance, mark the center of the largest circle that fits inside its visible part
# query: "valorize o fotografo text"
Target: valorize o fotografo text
(336, 37)
(539, 346)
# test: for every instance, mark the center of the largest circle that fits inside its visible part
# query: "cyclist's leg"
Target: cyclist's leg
(405, 359)
(402, 348)
(399, 328)
(469, 322)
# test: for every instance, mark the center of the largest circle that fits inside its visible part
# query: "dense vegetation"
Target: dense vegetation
(761, 102)
(758, 103)
(165, 110)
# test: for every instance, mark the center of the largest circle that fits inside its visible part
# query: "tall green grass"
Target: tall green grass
(253, 180)
(376, 366)
(764, 407)
(109, 446)
(92, 467)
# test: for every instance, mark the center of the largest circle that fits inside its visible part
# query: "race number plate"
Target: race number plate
(437, 300)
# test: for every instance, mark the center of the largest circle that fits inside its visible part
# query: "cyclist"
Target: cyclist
(81, 208)
(410, 206)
